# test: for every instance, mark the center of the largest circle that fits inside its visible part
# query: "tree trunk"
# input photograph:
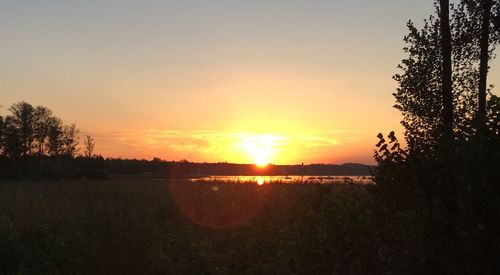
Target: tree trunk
(447, 188)
(446, 88)
(483, 65)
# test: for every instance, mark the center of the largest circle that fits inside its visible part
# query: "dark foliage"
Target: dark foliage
(139, 227)
(441, 210)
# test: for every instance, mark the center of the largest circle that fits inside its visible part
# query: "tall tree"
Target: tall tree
(418, 96)
(42, 115)
(496, 19)
(420, 93)
(478, 30)
(12, 144)
(2, 132)
(89, 145)
(70, 140)
(55, 136)
(486, 6)
(446, 77)
(23, 120)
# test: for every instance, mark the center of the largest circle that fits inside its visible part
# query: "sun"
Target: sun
(262, 164)
(260, 148)
(262, 156)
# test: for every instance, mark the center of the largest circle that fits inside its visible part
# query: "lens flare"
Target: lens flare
(220, 206)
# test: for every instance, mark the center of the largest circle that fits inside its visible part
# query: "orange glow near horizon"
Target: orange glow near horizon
(285, 145)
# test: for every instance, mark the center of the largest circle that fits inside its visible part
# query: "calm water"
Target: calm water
(290, 179)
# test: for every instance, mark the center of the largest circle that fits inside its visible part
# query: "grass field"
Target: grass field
(154, 227)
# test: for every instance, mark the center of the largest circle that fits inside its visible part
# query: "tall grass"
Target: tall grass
(147, 227)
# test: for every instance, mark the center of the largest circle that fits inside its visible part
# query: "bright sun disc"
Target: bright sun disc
(262, 163)
(260, 148)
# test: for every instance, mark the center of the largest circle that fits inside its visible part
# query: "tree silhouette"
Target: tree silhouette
(2, 130)
(34, 131)
(55, 134)
(89, 145)
(42, 115)
(420, 95)
(486, 6)
(11, 142)
(496, 19)
(488, 36)
(22, 124)
(70, 140)
(447, 179)
(446, 76)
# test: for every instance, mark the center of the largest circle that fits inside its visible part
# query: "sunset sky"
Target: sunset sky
(238, 81)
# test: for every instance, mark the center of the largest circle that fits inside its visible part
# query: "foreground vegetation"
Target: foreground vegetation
(160, 227)
(144, 227)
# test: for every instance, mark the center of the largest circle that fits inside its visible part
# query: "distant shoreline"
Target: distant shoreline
(195, 170)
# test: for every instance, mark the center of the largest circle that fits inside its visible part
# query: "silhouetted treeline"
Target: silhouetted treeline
(30, 131)
(99, 168)
(441, 195)
(34, 143)
(184, 168)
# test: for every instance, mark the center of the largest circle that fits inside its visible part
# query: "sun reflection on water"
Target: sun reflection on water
(260, 180)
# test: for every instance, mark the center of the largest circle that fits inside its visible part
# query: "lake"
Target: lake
(289, 179)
